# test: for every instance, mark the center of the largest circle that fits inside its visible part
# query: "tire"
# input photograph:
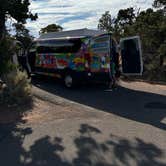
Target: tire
(69, 81)
(107, 84)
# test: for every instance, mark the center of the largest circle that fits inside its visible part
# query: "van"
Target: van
(82, 56)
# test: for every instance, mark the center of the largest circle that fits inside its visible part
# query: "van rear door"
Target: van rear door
(100, 53)
(131, 54)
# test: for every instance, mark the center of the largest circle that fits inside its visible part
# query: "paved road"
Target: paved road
(120, 127)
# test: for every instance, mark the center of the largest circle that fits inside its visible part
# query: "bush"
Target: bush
(6, 52)
(16, 88)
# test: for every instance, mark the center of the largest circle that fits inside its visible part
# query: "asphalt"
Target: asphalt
(126, 126)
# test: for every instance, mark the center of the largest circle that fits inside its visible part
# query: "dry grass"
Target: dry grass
(16, 88)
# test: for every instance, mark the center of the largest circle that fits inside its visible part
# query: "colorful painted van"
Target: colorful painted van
(75, 58)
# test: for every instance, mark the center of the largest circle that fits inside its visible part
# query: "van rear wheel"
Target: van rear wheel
(107, 84)
(69, 80)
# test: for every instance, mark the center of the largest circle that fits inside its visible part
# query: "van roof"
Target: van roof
(78, 33)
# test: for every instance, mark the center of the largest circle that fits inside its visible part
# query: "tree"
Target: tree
(16, 9)
(19, 11)
(159, 3)
(22, 35)
(51, 28)
(150, 25)
(119, 24)
(125, 18)
(106, 22)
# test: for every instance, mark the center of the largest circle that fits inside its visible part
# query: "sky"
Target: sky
(77, 14)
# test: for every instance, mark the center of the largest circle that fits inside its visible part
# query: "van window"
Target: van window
(100, 44)
(59, 46)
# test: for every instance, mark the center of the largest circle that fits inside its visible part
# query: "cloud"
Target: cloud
(74, 14)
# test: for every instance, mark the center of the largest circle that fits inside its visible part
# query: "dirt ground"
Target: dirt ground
(44, 111)
(41, 111)
(144, 87)
(125, 126)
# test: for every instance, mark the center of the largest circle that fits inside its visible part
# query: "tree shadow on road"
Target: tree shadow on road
(114, 151)
(139, 106)
(91, 151)
(11, 149)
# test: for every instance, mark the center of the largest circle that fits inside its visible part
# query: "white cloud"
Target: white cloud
(74, 14)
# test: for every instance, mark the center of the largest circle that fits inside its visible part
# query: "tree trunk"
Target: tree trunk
(2, 26)
(161, 61)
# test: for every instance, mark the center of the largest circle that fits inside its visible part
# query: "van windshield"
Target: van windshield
(59, 46)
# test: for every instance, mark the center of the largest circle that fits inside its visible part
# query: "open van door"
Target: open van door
(131, 54)
(32, 56)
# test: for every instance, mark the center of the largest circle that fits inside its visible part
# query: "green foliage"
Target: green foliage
(6, 52)
(51, 28)
(22, 35)
(118, 25)
(16, 88)
(16, 9)
(150, 25)
(126, 16)
(105, 22)
(159, 3)
(19, 10)
(162, 55)
(20, 29)
(162, 51)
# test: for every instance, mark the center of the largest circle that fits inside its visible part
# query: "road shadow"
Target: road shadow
(139, 106)
(11, 134)
(11, 116)
(48, 151)
(11, 148)
(90, 151)
(113, 151)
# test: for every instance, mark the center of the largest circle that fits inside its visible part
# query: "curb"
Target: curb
(46, 96)
(145, 81)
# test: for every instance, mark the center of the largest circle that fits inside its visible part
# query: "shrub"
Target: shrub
(6, 52)
(17, 89)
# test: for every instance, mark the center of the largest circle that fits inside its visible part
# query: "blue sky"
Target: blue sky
(76, 14)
